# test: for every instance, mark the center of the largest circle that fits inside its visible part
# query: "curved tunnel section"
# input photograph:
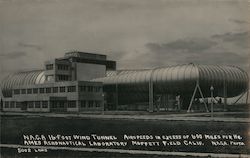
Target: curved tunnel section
(174, 79)
(133, 86)
(177, 80)
(21, 78)
(235, 80)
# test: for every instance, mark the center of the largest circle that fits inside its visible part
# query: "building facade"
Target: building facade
(68, 96)
(63, 86)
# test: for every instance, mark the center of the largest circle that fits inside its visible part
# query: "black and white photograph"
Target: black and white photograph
(124, 78)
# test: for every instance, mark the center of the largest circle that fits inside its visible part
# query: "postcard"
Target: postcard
(116, 78)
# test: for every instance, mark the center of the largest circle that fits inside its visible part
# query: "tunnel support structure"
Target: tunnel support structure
(116, 96)
(197, 87)
(224, 94)
(151, 93)
(246, 92)
(247, 96)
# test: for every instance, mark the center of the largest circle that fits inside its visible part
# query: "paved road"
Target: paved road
(204, 117)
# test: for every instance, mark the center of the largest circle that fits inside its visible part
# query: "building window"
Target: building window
(62, 67)
(12, 104)
(44, 104)
(30, 104)
(29, 91)
(62, 105)
(23, 91)
(6, 104)
(63, 77)
(62, 89)
(55, 89)
(41, 90)
(98, 104)
(17, 91)
(35, 90)
(49, 67)
(99, 89)
(18, 104)
(82, 88)
(48, 90)
(90, 89)
(72, 104)
(71, 88)
(83, 103)
(37, 104)
(94, 89)
(91, 103)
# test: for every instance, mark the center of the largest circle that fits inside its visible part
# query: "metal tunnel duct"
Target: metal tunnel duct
(21, 78)
(179, 80)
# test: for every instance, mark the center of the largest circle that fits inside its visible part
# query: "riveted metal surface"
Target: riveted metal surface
(21, 78)
(181, 79)
(236, 80)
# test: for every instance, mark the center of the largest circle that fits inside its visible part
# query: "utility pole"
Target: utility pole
(151, 96)
(225, 95)
(151, 93)
(212, 102)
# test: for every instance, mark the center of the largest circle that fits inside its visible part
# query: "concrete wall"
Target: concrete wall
(38, 109)
(86, 72)
(12, 109)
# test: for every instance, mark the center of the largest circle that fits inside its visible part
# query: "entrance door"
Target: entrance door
(23, 106)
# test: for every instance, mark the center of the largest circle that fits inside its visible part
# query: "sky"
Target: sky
(136, 33)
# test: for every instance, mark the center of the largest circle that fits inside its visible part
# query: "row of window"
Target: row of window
(62, 67)
(59, 67)
(72, 104)
(90, 103)
(57, 89)
(37, 104)
(30, 104)
(82, 104)
(90, 89)
(63, 78)
(44, 104)
(11, 104)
